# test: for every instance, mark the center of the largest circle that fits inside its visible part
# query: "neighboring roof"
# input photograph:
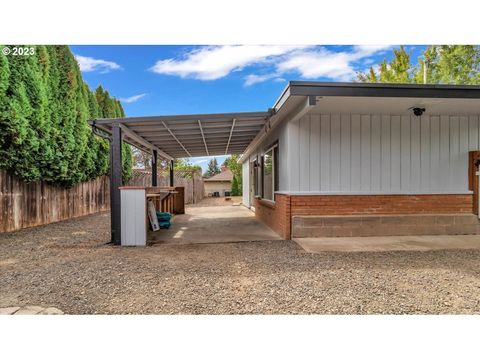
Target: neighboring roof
(225, 175)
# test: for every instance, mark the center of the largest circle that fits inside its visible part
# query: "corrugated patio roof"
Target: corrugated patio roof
(181, 136)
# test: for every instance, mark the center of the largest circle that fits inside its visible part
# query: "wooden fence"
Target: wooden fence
(30, 204)
(192, 181)
(38, 203)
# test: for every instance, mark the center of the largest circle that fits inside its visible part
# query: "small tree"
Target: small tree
(142, 159)
(439, 64)
(398, 70)
(235, 187)
(212, 169)
(183, 164)
(236, 168)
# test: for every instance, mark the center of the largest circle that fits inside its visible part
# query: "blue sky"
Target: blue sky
(167, 80)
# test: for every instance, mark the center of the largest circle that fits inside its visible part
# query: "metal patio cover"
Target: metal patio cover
(181, 136)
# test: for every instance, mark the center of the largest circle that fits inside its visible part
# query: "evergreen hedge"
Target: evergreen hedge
(44, 108)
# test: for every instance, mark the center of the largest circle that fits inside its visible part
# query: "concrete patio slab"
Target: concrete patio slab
(30, 310)
(51, 311)
(9, 310)
(389, 243)
(214, 224)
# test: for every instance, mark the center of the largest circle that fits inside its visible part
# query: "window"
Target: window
(256, 187)
(269, 170)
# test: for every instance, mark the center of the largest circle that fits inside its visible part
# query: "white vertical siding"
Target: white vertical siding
(304, 151)
(395, 154)
(386, 147)
(293, 157)
(415, 154)
(376, 149)
(335, 150)
(345, 153)
(356, 165)
(379, 153)
(286, 154)
(314, 154)
(133, 217)
(325, 155)
(365, 153)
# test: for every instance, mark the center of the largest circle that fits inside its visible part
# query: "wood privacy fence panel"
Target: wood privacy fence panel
(24, 204)
(30, 204)
(192, 181)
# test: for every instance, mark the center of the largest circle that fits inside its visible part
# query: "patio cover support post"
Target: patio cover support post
(115, 183)
(171, 172)
(154, 168)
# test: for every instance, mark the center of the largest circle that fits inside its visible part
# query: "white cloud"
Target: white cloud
(215, 62)
(252, 79)
(89, 64)
(199, 161)
(132, 99)
(361, 51)
(322, 62)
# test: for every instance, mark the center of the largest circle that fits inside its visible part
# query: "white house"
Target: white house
(334, 159)
(354, 154)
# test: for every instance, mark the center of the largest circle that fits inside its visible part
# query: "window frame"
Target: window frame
(256, 178)
(274, 150)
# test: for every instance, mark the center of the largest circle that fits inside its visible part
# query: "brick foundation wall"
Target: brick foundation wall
(276, 215)
(380, 204)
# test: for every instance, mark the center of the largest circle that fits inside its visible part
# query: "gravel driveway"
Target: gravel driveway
(67, 265)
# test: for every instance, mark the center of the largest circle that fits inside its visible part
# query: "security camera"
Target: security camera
(418, 111)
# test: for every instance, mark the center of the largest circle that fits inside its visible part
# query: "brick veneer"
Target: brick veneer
(380, 204)
(278, 215)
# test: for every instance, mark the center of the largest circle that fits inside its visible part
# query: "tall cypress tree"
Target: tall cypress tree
(20, 142)
(44, 108)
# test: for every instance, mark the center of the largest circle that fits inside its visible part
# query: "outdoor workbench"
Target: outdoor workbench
(134, 209)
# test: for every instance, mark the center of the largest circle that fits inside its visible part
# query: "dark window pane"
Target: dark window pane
(268, 175)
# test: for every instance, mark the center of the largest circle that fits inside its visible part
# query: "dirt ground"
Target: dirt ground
(68, 265)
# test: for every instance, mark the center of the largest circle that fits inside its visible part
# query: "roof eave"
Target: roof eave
(303, 88)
